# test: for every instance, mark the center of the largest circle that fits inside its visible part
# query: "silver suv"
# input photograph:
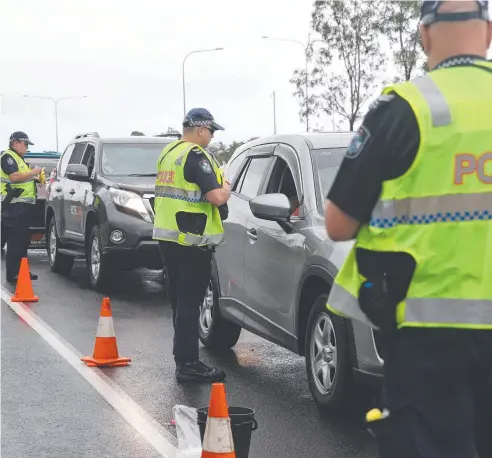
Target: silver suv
(273, 273)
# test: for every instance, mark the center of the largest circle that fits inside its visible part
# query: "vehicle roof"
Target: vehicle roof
(134, 139)
(318, 140)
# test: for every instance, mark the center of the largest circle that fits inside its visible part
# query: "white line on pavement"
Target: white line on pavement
(136, 416)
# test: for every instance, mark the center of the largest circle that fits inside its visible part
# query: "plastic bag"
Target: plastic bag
(188, 432)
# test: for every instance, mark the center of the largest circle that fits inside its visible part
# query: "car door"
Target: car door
(83, 189)
(272, 252)
(71, 188)
(230, 254)
(56, 195)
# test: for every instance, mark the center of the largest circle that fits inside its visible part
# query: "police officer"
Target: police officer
(190, 205)
(18, 199)
(415, 191)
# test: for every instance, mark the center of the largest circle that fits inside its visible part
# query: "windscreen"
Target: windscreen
(131, 159)
(327, 165)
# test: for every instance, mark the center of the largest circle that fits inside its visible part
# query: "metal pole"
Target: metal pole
(183, 73)
(56, 124)
(274, 114)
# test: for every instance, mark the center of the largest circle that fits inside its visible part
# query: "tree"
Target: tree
(137, 133)
(401, 27)
(350, 33)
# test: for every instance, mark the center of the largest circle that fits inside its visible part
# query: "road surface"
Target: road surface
(52, 406)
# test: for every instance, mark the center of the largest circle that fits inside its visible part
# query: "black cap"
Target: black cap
(200, 117)
(21, 137)
(429, 13)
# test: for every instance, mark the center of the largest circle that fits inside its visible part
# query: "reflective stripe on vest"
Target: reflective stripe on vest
(172, 192)
(428, 210)
(439, 107)
(425, 310)
(190, 239)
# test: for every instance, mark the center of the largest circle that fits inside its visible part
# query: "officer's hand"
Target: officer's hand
(36, 171)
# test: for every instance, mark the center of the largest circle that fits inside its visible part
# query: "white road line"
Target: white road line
(155, 434)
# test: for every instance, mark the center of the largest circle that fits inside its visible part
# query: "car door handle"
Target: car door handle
(252, 234)
(71, 192)
(58, 189)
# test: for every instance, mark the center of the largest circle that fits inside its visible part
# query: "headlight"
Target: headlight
(130, 201)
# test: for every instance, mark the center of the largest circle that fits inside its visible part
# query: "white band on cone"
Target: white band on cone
(105, 327)
(218, 436)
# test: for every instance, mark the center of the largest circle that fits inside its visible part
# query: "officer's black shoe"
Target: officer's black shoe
(198, 372)
(13, 280)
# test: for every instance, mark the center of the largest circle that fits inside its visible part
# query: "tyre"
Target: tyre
(99, 265)
(59, 263)
(215, 332)
(327, 357)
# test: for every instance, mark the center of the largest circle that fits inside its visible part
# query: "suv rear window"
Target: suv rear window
(131, 159)
(328, 163)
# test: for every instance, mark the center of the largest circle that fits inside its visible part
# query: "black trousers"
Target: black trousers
(17, 227)
(438, 388)
(188, 274)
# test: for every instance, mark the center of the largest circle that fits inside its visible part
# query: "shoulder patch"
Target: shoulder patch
(357, 144)
(385, 98)
(205, 166)
(10, 161)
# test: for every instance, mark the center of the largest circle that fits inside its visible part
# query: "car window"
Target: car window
(65, 158)
(282, 181)
(253, 175)
(233, 167)
(131, 159)
(328, 163)
(78, 153)
(89, 157)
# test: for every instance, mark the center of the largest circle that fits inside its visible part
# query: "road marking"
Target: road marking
(155, 434)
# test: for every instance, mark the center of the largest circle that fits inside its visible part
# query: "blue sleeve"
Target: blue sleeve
(199, 170)
(9, 165)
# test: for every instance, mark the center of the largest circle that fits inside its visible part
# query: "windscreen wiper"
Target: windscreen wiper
(142, 175)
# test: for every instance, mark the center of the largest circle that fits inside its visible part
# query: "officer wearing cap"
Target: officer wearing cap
(18, 190)
(190, 193)
(415, 191)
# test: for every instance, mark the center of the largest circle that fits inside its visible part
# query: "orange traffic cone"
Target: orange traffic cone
(105, 350)
(23, 289)
(217, 441)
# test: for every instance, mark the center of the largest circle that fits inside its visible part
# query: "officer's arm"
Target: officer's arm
(23, 176)
(382, 149)
(199, 170)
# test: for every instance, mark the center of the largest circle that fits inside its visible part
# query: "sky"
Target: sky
(126, 57)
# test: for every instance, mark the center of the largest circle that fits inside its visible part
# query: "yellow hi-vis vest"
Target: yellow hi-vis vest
(173, 194)
(28, 186)
(440, 210)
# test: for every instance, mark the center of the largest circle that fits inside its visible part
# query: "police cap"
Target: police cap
(200, 117)
(430, 15)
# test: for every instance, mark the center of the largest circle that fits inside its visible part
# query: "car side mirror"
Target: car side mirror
(77, 172)
(271, 207)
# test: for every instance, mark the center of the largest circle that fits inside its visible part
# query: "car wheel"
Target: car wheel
(327, 357)
(59, 263)
(215, 332)
(98, 264)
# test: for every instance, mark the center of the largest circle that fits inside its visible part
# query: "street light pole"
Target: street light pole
(183, 72)
(55, 102)
(306, 56)
(274, 114)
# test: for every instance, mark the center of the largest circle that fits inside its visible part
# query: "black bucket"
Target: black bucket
(243, 422)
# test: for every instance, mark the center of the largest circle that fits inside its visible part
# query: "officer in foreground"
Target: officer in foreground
(190, 195)
(18, 199)
(415, 191)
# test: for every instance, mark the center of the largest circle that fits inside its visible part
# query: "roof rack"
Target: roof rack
(88, 134)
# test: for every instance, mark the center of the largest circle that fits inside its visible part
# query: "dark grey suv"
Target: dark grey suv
(273, 273)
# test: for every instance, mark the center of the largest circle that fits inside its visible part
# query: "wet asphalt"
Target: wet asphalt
(49, 410)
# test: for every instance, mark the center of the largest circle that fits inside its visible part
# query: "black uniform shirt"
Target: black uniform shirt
(198, 170)
(9, 166)
(387, 144)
